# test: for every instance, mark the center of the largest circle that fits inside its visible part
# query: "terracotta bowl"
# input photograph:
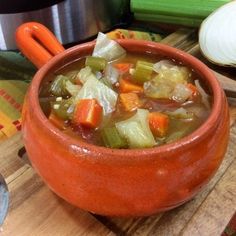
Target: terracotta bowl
(115, 182)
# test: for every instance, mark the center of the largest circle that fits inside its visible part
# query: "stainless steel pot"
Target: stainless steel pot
(70, 20)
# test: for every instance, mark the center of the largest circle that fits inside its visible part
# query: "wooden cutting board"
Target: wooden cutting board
(34, 210)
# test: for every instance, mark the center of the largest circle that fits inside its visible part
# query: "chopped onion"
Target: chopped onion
(111, 74)
(107, 48)
(163, 65)
(181, 93)
(181, 113)
(217, 35)
(93, 88)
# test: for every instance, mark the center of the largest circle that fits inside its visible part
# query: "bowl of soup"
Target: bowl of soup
(123, 128)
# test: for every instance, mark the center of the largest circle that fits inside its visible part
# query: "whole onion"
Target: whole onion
(217, 35)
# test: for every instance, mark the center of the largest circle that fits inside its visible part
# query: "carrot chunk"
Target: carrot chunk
(88, 113)
(127, 86)
(130, 101)
(158, 123)
(57, 121)
(123, 67)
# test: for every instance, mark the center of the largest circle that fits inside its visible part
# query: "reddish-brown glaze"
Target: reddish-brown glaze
(125, 182)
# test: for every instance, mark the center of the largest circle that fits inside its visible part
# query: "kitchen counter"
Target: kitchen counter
(35, 210)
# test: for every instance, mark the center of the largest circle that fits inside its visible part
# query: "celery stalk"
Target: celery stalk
(58, 86)
(185, 21)
(112, 139)
(143, 71)
(63, 109)
(96, 63)
(186, 8)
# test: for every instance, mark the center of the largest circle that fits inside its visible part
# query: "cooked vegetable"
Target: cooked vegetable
(71, 88)
(88, 113)
(107, 48)
(130, 101)
(164, 84)
(158, 123)
(163, 65)
(58, 86)
(136, 130)
(181, 113)
(216, 36)
(105, 96)
(143, 71)
(85, 73)
(123, 67)
(127, 86)
(72, 75)
(63, 108)
(116, 105)
(112, 139)
(181, 93)
(96, 63)
(111, 75)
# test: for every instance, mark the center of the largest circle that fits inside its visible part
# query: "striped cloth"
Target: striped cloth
(13, 65)
(11, 99)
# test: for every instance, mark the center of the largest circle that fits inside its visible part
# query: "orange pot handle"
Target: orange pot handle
(37, 43)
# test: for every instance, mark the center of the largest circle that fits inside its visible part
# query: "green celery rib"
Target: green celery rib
(96, 63)
(112, 139)
(169, 19)
(143, 71)
(184, 8)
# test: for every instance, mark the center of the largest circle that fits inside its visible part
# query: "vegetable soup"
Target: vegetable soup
(121, 100)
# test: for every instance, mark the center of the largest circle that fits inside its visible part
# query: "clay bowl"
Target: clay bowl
(134, 182)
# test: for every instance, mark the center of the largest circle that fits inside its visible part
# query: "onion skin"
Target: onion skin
(217, 36)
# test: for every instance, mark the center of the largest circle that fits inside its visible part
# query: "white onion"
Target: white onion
(111, 74)
(163, 65)
(217, 35)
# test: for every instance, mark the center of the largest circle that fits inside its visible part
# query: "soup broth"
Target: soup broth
(137, 101)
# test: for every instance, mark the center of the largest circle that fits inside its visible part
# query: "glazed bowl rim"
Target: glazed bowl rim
(133, 154)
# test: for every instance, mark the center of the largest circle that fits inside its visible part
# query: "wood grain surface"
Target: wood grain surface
(34, 210)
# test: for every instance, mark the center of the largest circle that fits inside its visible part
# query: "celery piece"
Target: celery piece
(63, 109)
(112, 139)
(71, 88)
(96, 63)
(136, 130)
(72, 75)
(85, 74)
(181, 113)
(143, 71)
(58, 86)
